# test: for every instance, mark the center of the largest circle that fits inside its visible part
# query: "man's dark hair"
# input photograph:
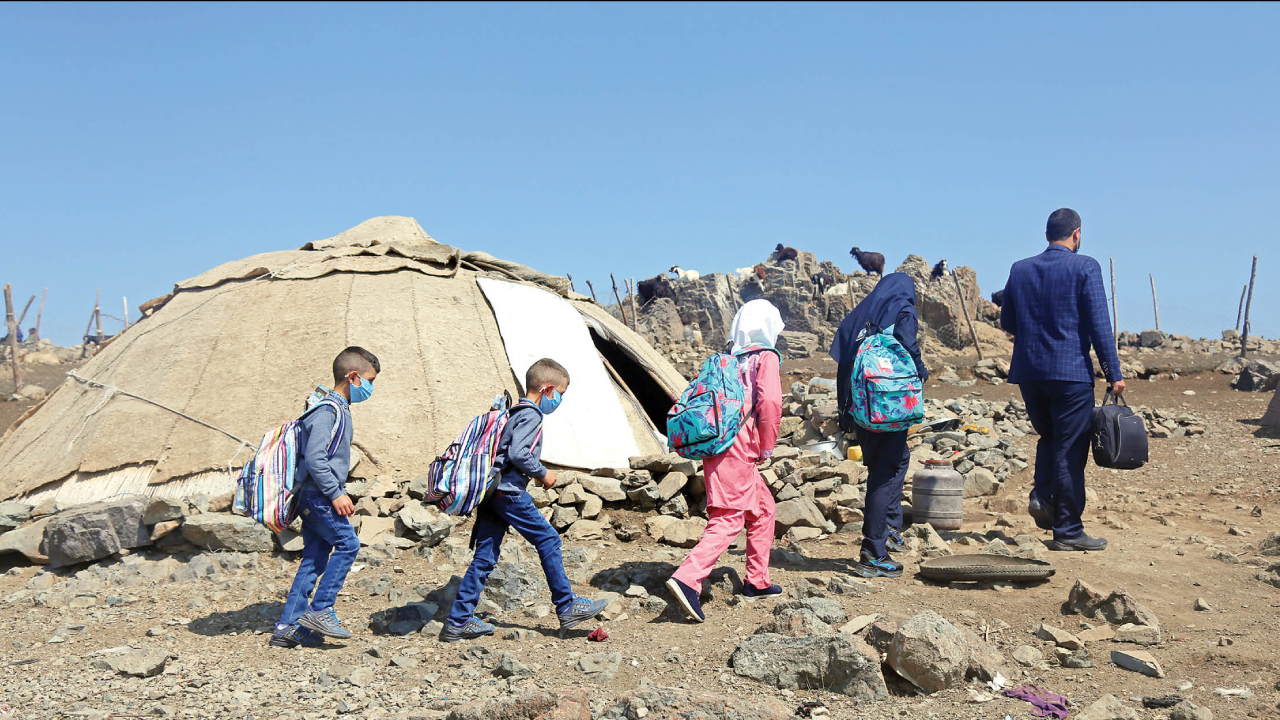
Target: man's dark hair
(545, 372)
(1062, 223)
(354, 358)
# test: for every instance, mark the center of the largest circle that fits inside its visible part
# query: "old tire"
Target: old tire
(986, 568)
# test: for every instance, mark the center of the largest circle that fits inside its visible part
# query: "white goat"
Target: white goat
(684, 274)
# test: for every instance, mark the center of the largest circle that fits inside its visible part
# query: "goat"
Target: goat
(782, 252)
(745, 273)
(655, 287)
(821, 282)
(872, 262)
(684, 274)
(761, 272)
(997, 297)
(939, 270)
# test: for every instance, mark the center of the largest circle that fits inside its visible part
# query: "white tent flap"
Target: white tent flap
(589, 430)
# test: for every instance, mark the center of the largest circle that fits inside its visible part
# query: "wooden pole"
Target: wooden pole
(1240, 310)
(571, 287)
(592, 288)
(1115, 317)
(622, 310)
(1248, 303)
(13, 336)
(635, 316)
(40, 312)
(125, 300)
(23, 316)
(965, 307)
(97, 314)
(1154, 303)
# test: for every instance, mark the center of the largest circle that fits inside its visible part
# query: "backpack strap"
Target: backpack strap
(339, 423)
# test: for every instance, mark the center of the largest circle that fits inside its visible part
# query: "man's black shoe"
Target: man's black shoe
(1079, 542)
(1040, 513)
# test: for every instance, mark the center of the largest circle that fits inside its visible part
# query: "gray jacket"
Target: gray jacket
(316, 470)
(521, 446)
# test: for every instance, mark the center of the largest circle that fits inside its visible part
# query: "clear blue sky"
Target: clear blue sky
(143, 144)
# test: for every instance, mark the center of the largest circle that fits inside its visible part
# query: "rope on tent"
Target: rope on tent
(111, 391)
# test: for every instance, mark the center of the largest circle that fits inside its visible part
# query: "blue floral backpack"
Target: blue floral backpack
(888, 394)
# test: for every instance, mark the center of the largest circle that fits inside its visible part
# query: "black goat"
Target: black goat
(997, 297)
(658, 286)
(872, 262)
(939, 270)
(782, 252)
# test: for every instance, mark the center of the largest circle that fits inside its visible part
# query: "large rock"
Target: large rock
(979, 482)
(160, 509)
(426, 522)
(138, 663)
(92, 532)
(682, 533)
(512, 584)
(609, 489)
(835, 662)
(661, 703)
(27, 541)
(226, 532)
(929, 652)
(797, 511)
(13, 514)
(565, 704)
(797, 344)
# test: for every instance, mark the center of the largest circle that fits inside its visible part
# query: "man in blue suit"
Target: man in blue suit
(1056, 308)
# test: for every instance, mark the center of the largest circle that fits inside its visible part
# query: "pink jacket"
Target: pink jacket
(732, 478)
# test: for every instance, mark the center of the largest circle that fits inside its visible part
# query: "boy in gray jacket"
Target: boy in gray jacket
(510, 506)
(329, 543)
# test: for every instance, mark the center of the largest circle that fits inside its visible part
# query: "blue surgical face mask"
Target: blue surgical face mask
(361, 392)
(547, 404)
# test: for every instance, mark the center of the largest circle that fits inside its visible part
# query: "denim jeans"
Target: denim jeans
(888, 460)
(501, 511)
(1062, 414)
(329, 546)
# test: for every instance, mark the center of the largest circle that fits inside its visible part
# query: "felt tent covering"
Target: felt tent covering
(240, 346)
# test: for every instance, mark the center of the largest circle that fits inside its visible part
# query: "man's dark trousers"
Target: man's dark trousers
(1062, 413)
(888, 459)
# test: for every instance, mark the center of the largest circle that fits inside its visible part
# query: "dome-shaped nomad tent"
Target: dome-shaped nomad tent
(174, 405)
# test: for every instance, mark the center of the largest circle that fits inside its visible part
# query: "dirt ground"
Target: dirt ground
(1163, 521)
(48, 377)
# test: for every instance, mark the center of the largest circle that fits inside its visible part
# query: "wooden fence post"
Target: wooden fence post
(635, 315)
(1115, 316)
(1154, 303)
(622, 310)
(13, 336)
(1240, 310)
(40, 312)
(1248, 303)
(592, 288)
(965, 307)
(23, 316)
(97, 314)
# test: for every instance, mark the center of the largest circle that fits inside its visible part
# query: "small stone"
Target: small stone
(1102, 632)
(142, 663)
(1028, 656)
(1187, 710)
(1108, 707)
(1138, 661)
(1138, 634)
(858, 624)
(1203, 605)
(1059, 637)
(603, 665)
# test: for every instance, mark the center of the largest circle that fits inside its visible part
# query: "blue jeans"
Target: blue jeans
(501, 511)
(329, 546)
(1062, 413)
(887, 459)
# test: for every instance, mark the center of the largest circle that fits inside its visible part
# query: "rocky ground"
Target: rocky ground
(150, 633)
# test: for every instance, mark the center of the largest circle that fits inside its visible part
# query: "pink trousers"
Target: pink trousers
(723, 526)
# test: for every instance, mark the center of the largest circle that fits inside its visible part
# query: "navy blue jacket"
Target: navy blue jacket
(316, 469)
(1056, 308)
(521, 446)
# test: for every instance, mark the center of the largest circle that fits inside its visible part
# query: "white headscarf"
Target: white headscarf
(757, 323)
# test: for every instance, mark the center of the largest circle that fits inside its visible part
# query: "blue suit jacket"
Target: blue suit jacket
(1056, 307)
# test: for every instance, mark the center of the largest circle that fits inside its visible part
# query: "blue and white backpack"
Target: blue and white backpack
(462, 476)
(888, 394)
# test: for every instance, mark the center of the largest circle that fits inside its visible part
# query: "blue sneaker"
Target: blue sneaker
(292, 636)
(324, 622)
(895, 543)
(751, 592)
(870, 567)
(580, 611)
(472, 629)
(688, 598)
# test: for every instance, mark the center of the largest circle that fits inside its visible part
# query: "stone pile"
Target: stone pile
(1252, 375)
(1171, 423)
(1155, 341)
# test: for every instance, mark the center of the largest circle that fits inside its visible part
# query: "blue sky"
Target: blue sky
(146, 143)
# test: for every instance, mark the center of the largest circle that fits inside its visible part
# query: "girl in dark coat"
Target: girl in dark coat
(892, 302)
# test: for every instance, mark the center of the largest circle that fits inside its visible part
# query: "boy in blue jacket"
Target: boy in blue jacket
(510, 506)
(329, 543)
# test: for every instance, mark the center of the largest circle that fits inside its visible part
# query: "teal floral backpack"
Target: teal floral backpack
(888, 394)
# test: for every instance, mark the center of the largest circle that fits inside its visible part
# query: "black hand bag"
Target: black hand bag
(1119, 435)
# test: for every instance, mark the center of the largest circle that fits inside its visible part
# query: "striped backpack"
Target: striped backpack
(461, 477)
(706, 418)
(264, 490)
(887, 392)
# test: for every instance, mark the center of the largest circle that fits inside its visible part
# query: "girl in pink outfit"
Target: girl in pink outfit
(736, 493)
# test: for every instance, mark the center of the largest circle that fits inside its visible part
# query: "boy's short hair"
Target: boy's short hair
(545, 372)
(354, 358)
